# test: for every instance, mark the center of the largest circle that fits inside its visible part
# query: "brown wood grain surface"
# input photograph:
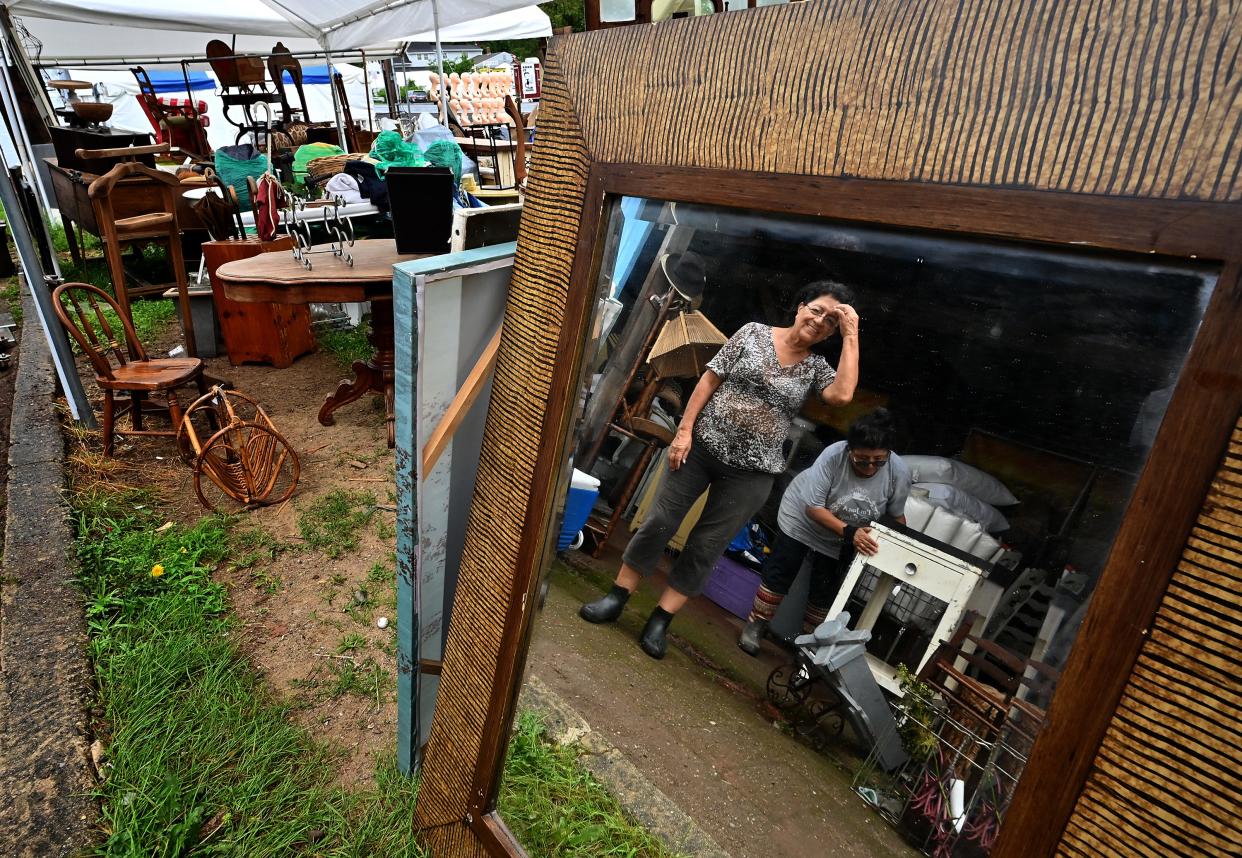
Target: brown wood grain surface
(1110, 125)
(1165, 778)
(277, 276)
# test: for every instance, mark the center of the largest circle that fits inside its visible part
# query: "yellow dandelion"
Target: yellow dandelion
(183, 549)
(157, 570)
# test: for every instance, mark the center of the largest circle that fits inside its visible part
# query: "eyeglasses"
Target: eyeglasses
(820, 313)
(878, 462)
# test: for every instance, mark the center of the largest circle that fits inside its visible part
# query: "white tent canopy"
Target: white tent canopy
(530, 22)
(147, 30)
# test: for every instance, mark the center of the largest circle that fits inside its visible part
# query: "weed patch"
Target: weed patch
(332, 523)
(200, 756)
(346, 344)
(554, 807)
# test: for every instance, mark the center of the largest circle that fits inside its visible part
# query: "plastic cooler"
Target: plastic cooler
(583, 490)
(732, 586)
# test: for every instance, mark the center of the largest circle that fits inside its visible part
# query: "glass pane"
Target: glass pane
(1023, 386)
(616, 10)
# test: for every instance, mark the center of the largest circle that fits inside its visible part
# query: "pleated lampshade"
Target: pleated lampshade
(685, 344)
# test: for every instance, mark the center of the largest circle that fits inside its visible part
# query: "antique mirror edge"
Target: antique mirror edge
(541, 505)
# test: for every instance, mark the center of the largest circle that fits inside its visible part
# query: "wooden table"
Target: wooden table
(501, 154)
(132, 198)
(279, 278)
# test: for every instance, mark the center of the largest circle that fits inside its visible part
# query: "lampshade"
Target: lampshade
(685, 344)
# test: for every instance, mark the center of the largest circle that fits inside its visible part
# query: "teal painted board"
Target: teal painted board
(446, 309)
(406, 335)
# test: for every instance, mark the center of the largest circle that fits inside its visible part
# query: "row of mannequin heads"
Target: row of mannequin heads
(472, 85)
(476, 98)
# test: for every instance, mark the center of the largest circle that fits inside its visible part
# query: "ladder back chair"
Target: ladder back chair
(182, 126)
(243, 84)
(120, 362)
(137, 204)
(281, 61)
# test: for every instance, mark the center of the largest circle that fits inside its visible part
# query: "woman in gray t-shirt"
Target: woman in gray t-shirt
(826, 509)
(729, 441)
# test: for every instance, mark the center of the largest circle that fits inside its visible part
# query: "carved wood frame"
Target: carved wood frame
(576, 172)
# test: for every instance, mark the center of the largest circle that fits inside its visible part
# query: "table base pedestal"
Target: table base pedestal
(376, 375)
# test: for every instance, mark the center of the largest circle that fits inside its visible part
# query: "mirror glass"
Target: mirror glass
(1007, 398)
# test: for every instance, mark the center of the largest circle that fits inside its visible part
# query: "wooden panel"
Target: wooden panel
(1164, 780)
(1129, 98)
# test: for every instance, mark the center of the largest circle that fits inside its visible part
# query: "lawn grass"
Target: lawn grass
(331, 524)
(346, 344)
(200, 755)
(201, 758)
(554, 807)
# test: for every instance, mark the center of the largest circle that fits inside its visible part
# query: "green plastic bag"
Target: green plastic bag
(235, 164)
(389, 150)
(446, 153)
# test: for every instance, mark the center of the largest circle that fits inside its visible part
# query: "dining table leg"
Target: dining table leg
(375, 375)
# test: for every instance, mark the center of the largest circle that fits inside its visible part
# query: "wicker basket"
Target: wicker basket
(319, 170)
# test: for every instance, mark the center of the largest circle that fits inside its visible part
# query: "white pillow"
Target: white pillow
(943, 524)
(918, 511)
(986, 547)
(937, 469)
(967, 535)
(966, 504)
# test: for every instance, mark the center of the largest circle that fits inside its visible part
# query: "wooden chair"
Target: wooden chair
(182, 127)
(135, 203)
(281, 61)
(122, 367)
(243, 84)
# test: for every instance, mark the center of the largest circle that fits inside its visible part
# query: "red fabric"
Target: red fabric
(267, 205)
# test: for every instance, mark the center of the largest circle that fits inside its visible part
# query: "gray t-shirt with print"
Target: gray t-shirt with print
(745, 422)
(830, 482)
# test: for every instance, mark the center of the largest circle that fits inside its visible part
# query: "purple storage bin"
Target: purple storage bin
(732, 586)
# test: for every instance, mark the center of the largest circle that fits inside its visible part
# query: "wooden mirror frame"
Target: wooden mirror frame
(1082, 175)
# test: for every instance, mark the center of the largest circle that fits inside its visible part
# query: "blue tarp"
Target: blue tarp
(312, 74)
(172, 81)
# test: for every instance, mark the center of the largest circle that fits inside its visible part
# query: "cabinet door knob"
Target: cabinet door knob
(910, 569)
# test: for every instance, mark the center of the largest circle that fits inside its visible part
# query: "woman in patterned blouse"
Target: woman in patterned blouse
(730, 440)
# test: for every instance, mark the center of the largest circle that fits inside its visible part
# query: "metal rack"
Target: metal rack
(949, 800)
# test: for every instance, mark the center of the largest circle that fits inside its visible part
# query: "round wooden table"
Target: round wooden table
(280, 278)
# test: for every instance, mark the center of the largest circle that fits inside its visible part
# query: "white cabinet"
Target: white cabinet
(907, 560)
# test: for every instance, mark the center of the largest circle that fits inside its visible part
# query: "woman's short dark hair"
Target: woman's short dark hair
(811, 291)
(874, 431)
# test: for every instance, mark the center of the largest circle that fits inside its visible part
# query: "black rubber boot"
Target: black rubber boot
(608, 608)
(751, 635)
(652, 640)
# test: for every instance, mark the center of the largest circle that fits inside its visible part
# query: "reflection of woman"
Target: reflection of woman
(729, 440)
(826, 509)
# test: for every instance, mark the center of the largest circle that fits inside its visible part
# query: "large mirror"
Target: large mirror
(939, 437)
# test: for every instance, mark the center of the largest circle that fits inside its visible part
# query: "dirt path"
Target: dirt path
(712, 751)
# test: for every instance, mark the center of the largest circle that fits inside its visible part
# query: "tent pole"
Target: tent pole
(336, 102)
(21, 140)
(37, 283)
(435, 20)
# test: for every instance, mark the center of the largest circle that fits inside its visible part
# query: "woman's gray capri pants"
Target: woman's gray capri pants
(734, 496)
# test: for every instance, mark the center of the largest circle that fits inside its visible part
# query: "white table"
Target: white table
(907, 561)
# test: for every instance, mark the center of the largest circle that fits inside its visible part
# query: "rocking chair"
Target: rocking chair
(122, 367)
